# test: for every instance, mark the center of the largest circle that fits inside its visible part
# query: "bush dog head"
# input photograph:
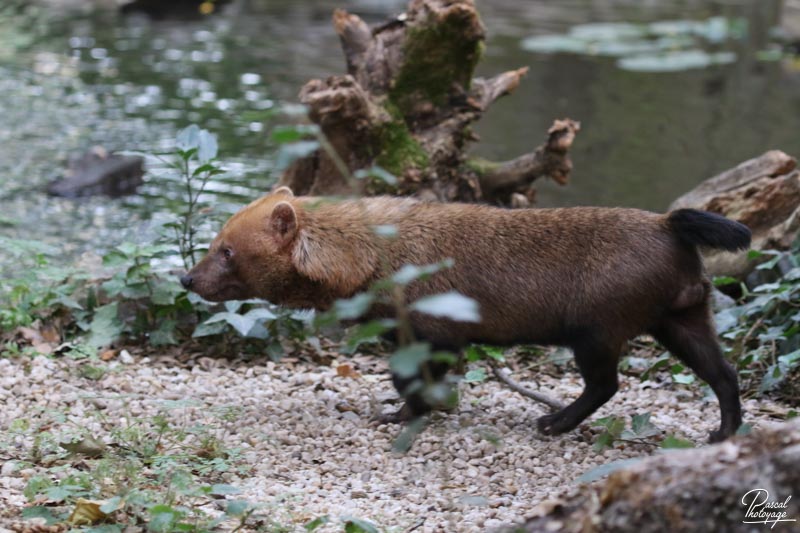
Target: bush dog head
(251, 254)
(586, 278)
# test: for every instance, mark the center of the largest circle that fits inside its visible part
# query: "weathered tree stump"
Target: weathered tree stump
(406, 104)
(763, 193)
(689, 490)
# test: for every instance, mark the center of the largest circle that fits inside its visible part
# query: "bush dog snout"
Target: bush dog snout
(585, 278)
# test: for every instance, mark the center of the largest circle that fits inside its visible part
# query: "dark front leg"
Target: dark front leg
(597, 362)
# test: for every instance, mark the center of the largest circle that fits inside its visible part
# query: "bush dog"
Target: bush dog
(586, 278)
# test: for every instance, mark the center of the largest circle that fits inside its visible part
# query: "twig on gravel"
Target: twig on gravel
(516, 387)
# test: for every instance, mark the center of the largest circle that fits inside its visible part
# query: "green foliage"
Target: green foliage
(451, 305)
(155, 470)
(34, 288)
(762, 330)
(641, 431)
(195, 161)
(411, 358)
(357, 525)
(482, 352)
(138, 298)
(613, 427)
(316, 523)
(641, 428)
(672, 442)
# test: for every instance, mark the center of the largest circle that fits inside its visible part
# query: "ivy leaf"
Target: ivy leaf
(243, 324)
(614, 426)
(378, 173)
(673, 442)
(317, 522)
(224, 490)
(205, 329)
(406, 361)
(290, 134)
(42, 512)
(105, 327)
(452, 305)
(207, 146)
(604, 470)
(291, 152)
(719, 281)
(661, 362)
(59, 493)
(114, 258)
(165, 334)
(409, 273)
(165, 292)
(478, 352)
(357, 525)
(604, 440)
(354, 307)
(727, 319)
(237, 507)
(261, 313)
(477, 375)
(683, 379)
(641, 427)
(368, 332)
(188, 138)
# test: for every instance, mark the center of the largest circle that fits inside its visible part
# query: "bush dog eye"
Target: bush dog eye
(585, 278)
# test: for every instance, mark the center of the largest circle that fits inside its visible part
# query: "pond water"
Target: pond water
(74, 78)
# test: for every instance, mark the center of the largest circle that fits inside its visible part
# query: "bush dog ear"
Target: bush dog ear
(286, 191)
(342, 261)
(283, 222)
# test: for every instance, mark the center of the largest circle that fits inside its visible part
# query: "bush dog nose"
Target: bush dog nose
(186, 281)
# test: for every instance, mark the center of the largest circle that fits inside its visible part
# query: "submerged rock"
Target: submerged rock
(98, 172)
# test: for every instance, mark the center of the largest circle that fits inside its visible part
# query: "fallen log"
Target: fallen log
(753, 478)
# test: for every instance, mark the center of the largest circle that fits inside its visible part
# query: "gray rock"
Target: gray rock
(98, 172)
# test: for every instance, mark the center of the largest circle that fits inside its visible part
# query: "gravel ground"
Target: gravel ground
(307, 436)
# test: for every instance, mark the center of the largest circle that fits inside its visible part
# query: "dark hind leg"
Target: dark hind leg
(689, 334)
(597, 362)
(411, 389)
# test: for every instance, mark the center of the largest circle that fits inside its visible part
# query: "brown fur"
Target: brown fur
(588, 278)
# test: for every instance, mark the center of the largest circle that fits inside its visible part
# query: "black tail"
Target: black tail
(702, 228)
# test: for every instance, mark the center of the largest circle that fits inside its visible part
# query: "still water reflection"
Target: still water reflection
(70, 79)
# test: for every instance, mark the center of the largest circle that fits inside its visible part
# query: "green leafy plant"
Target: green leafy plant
(641, 431)
(155, 470)
(762, 330)
(138, 298)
